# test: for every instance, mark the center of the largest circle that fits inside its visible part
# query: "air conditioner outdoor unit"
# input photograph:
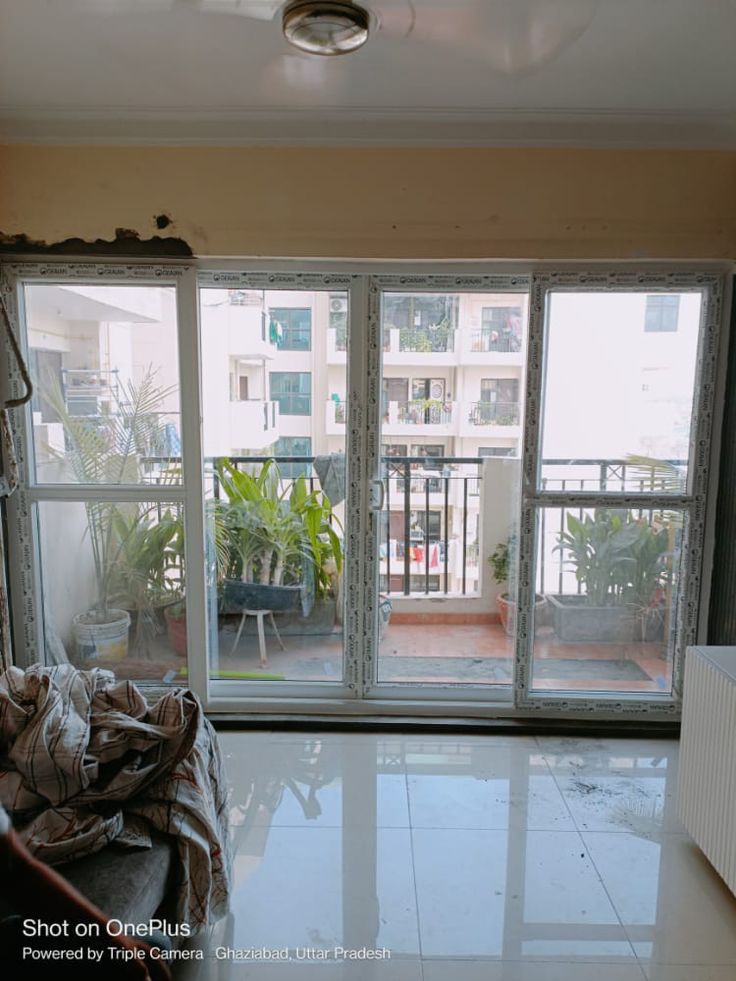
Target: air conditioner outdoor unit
(338, 304)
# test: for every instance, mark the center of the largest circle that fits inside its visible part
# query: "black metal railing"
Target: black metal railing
(597, 476)
(425, 412)
(494, 413)
(429, 541)
(494, 339)
(427, 340)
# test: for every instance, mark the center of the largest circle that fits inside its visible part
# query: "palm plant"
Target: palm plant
(278, 536)
(107, 449)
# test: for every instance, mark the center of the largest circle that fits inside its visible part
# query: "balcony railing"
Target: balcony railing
(425, 412)
(492, 339)
(429, 532)
(427, 340)
(494, 413)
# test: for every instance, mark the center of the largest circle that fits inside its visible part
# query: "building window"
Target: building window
(293, 392)
(500, 330)
(294, 446)
(496, 451)
(661, 313)
(293, 328)
(499, 402)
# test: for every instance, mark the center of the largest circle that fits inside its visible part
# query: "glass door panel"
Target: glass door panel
(450, 465)
(274, 437)
(607, 598)
(611, 488)
(101, 455)
(105, 365)
(617, 391)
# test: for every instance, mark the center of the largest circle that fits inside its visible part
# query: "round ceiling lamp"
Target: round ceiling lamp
(326, 27)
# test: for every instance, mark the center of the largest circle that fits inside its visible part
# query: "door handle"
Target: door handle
(378, 494)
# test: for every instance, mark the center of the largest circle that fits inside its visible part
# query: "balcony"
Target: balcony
(253, 424)
(431, 417)
(336, 416)
(420, 346)
(486, 346)
(248, 334)
(337, 345)
(433, 563)
(502, 419)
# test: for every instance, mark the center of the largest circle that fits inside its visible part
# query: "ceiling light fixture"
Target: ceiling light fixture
(326, 27)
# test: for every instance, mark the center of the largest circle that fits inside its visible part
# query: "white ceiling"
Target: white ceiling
(608, 72)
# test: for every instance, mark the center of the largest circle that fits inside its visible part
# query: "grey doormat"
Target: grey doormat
(496, 669)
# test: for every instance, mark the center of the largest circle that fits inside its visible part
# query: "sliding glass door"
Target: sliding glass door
(275, 419)
(452, 363)
(339, 491)
(620, 404)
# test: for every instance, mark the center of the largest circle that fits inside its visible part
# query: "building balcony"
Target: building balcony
(337, 346)
(253, 424)
(421, 346)
(490, 347)
(430, 417)
(484, 419)
(336, 417)
(248, 332)
(429, 553)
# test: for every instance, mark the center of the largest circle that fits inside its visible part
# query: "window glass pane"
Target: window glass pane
(293, 327)
(618, 395)
(452, 385)
(294, 446)
(292, 391)
(105, 369)
(123, 608)
(607, 596)
(274, 523)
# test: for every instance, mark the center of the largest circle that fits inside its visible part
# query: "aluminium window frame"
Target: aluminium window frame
(693, 502)
(283, 272)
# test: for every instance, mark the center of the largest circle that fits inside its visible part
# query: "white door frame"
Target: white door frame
(360, 694)
(693, 503)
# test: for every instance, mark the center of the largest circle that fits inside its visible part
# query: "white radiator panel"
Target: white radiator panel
(707, 768)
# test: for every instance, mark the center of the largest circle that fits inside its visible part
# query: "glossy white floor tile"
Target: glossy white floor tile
(513, 895)
(617, 785)
(674, 907)
(469, 858)
(494, 788)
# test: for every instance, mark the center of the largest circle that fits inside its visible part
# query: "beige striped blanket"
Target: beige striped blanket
(85, 760)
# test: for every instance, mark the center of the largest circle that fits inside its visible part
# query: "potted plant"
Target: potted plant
(620, 564)
(105, 450)
(284, 551)
(148, 576)
(500, 560)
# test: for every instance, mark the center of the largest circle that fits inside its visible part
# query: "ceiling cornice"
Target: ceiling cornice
(370, 127)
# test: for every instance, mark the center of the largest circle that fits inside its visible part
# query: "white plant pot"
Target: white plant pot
(102, 641)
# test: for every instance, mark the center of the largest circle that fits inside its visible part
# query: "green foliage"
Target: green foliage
(499, 561)
(273, 531)
(617, 560)
(108, 450)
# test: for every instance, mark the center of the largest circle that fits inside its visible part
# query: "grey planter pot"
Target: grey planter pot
(575, 621)
(238, 596)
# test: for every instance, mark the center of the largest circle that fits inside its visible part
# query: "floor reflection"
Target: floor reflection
(458, 853)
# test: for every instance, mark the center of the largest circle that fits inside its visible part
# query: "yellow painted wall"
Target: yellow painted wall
(380, 202)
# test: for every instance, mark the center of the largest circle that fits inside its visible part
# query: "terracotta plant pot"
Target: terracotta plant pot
(176, 631)
(507, 612)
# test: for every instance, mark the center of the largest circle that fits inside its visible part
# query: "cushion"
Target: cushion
(127, 884)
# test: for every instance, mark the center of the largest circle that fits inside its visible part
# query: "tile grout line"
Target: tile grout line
(591, 860)
(413, 867)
